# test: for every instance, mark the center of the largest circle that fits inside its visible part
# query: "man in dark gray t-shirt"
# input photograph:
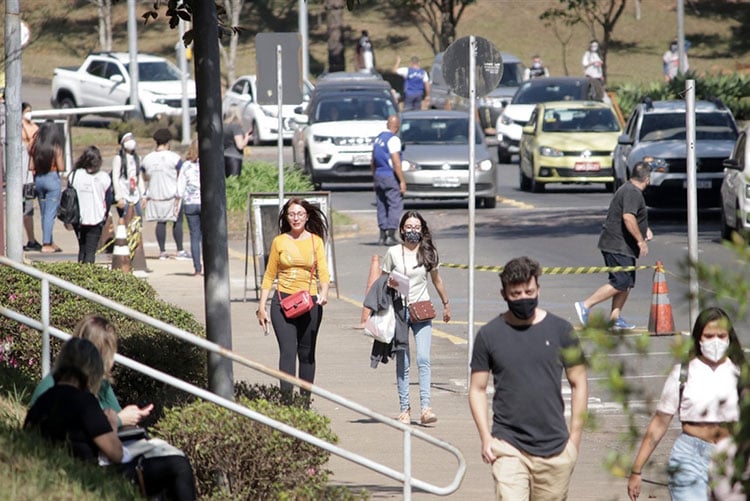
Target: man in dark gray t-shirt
(527, 349)
(624, 238)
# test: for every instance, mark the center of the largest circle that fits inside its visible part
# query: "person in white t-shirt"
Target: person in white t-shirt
(160, 170)
(91, 185)
(592, 62)
(703, 393)
(189, 191)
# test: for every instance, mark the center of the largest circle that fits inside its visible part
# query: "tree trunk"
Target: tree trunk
(234, 9)
(447, 27)
(335, 20)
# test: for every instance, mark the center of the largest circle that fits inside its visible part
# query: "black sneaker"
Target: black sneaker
(32, 246)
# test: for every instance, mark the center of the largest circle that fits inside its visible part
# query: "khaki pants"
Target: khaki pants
(520, 476)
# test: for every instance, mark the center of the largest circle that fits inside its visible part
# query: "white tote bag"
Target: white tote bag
(381, 325)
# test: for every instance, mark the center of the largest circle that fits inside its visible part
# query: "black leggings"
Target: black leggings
(88, 240)
(168, 475)
(297, 338)
(161, 232)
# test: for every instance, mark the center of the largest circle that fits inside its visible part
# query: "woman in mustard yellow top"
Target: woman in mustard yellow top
(294, 254)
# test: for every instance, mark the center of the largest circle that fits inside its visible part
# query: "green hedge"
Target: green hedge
(732, 88)
(263, 177)
(20, 346)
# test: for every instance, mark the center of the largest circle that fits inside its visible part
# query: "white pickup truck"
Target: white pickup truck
(104, 80)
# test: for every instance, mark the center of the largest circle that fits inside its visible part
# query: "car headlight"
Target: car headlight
(658, 165)
(548, 151)
(407, 165)
(484, 165)
(322, 139)
(505, 119)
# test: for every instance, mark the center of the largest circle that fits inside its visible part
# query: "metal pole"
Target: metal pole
(133, 51)
(302, 22)
(182, 60)
(280, 140)
(472, 192)
(13, 144)
(692, 197)
(681, 37)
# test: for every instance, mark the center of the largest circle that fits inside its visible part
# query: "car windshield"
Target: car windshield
(436, 131)
(671, 126)
(543, 93)
(157, 71)
(512, 75)
(580, 120)
(339, 107)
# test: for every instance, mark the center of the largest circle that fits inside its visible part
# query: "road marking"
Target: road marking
(514, 203)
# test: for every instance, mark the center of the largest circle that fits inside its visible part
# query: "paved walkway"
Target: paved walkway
(343, 367)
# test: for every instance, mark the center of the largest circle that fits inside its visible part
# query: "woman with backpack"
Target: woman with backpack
(46, 162)
(91, 185)
(704, 394)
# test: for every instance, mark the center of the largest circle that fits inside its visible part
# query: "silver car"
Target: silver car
(435, 157)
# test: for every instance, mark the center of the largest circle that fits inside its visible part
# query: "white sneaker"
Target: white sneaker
(183, 255)
(163, 255)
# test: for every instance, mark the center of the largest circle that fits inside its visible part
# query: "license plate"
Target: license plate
(361, 159)
(700, 184)
(587, 166)
(446, 182)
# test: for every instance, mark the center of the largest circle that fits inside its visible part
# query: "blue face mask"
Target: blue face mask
(412, 236)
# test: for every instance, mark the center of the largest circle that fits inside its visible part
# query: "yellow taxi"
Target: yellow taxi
(568, 142)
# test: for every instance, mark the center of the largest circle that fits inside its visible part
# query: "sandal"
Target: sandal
(50, 248)
(405, 417)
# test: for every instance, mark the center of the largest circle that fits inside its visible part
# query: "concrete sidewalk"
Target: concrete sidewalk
(343, 354)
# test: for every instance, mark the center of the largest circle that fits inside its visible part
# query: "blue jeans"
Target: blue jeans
(48, 187)
(389, 201)
(193, 215)
(423, 340)
(688, 468)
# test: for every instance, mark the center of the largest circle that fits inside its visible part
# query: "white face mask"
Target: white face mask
(129, 145)
(715, 349)
(27, 116)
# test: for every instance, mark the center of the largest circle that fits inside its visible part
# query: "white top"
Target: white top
(189, 183)
(91, 191)
(417, 276)
(161, 167)
(130, 186)
(592, 64)
(709, 396)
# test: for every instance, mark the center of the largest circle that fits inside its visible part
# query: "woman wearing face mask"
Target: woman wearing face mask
(126, 181)
(416, 258)
(704, 393)
(592, 62)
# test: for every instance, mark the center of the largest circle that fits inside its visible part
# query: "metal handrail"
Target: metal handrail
(403, 476)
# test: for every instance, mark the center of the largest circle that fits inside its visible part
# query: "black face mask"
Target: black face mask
(523, 308)
(412, 236)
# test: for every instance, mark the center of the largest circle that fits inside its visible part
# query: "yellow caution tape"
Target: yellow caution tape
(556, 270)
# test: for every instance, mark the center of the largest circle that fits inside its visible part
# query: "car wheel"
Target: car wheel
(616, 185)
(503, 156)
(256, 134)
(536, 186)
(488, 202)
(524, 182)
(308, 164)
(66, 103)
(726, 230)
(609, 187)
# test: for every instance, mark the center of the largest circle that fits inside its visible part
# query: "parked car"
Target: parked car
(436, 153)
(568, 142)
(539, 90)
(490, 106)
(657, 129)
(735, 189)
(333, 139)
(103, 79)
(263, 119)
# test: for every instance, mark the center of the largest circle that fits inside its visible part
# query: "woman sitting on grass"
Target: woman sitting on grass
(69, 413)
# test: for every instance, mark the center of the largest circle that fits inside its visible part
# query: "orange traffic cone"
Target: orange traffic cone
(374, 274)
(121, 252)
(660, 321)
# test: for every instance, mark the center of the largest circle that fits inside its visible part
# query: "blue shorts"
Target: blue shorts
(620, 280)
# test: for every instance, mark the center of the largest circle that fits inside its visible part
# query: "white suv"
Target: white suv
(735, 189)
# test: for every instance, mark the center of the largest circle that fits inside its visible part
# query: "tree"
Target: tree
(436, 20)
(563, 30)
(104, 10)
(233, 9)
(335, 20)
(596, 15)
